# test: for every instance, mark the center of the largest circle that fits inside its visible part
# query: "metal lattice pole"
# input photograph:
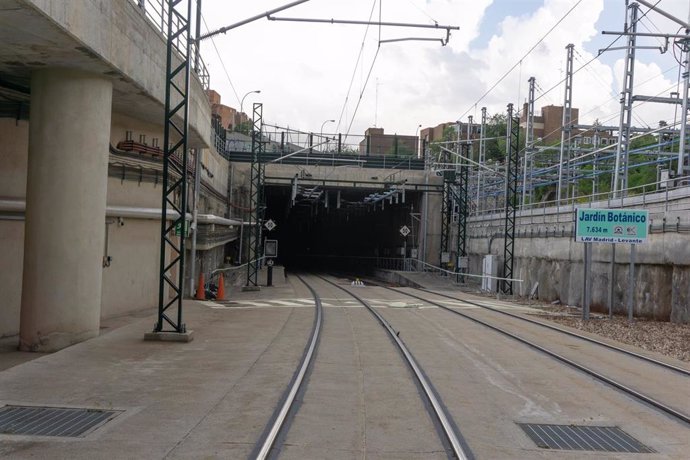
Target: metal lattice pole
(681, 170)
(620, 181)
(256, 199)
(529, 147)
(446, 205)
(482, 159)
(567, 126)
(511, 195)
(174, 166)
(461, 196)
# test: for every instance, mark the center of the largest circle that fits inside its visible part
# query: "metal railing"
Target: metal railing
(455, 277)
(156, 11)
(659, 192)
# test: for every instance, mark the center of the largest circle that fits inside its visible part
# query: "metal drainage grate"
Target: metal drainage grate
(592, 438)
(52, 421)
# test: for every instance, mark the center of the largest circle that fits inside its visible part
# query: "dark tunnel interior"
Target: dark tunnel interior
(339, 232)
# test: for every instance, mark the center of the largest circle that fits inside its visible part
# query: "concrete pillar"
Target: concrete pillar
(69, 134)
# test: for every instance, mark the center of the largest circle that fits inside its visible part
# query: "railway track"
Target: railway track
(609, 346)
(665, 408)
(268, 445)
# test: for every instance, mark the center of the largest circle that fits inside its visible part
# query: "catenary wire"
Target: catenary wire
(521, 59)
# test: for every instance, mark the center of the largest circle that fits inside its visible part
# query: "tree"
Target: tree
(245, 127)
(495, 135)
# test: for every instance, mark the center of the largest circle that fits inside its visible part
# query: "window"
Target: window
(587, 141)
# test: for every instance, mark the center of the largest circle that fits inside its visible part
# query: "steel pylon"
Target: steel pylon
(174, 202)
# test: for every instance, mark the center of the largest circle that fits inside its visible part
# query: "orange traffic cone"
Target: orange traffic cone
(221, 288)
(200, 291)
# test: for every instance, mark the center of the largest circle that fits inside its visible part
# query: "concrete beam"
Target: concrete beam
(108, 37)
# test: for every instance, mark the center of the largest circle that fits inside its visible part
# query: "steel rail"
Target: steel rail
(279, 421)
(631, 392)
(459, 450)
(565, 331)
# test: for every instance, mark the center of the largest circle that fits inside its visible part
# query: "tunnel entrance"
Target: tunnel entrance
(342, 229)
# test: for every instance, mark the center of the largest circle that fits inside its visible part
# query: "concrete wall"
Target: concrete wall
(545, 252)
(13, 163)
(14, 150)
(122, 123)
(118, 33)
(131, 281)
(11, 265)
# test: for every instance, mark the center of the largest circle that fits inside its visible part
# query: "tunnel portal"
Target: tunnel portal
(342, 229)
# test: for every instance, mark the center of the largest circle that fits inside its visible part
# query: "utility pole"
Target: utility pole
(620, 184)
(174, 187)
(681, 170)
(482, 158)
(529, 146)
(684, 42)
(468, 152)
(511, 197)
(567, 124)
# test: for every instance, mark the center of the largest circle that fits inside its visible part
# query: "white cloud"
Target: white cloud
(304, 70)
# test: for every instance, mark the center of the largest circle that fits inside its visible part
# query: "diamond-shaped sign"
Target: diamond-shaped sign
(404, 230)
(270, 225)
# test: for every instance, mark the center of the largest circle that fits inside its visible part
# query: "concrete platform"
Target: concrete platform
(232, 375)
(163, 336)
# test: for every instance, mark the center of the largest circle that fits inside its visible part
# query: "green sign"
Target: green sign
(178, 227)
(611, 226)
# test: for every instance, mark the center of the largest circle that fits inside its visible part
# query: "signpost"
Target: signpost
(404, 231)
(270, 251)
(613, 226)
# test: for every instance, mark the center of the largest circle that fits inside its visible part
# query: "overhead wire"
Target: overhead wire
(361, 94)
(521, 59)
(220, 58)
(354, 72)
(615, 40)
(423, 12)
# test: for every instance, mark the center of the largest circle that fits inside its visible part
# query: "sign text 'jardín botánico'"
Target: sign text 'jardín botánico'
(611, 226)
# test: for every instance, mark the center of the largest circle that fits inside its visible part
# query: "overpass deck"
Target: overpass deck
(332, 159)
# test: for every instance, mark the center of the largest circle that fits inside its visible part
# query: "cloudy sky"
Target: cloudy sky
(304, 71)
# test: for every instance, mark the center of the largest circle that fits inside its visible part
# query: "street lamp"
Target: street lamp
(322, 125)
(257, 91)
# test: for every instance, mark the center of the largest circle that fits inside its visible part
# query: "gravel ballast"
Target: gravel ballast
(669, 339)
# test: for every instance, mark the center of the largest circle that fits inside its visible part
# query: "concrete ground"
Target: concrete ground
(212, 397)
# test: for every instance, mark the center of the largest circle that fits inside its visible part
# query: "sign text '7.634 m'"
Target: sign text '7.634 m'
(611, 225)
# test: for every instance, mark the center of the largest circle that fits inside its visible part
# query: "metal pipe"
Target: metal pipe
(368, 23)
(664, 13)
(19, 206)
(222, 30)
(195, 216)
(639, 34)
(197, 54)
